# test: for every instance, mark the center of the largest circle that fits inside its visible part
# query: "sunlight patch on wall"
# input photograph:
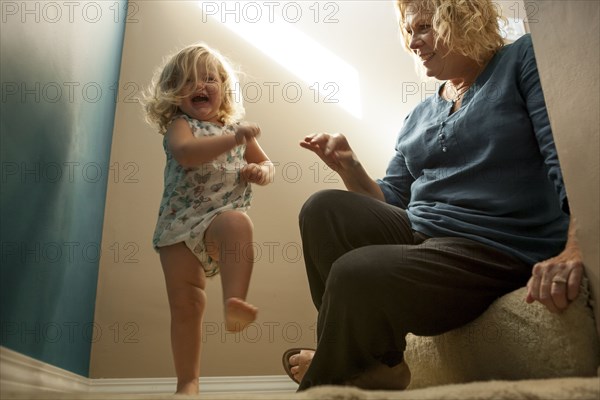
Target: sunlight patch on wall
(324, 72)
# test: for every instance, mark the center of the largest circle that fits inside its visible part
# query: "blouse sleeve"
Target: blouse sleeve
(531, 89)
(397, 181)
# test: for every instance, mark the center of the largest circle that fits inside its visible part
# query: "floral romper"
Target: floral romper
(193, 197)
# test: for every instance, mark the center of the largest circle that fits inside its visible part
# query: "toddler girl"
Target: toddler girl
(202, 226)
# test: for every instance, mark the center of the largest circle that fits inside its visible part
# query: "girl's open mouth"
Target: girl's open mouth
(199, 99)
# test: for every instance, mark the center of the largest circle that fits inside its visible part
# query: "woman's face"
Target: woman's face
(438, 61)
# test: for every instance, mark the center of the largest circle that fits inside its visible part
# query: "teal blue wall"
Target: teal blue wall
(59, 66)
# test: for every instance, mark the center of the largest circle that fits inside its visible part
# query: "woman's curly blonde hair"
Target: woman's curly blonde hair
(469, 27)
(171, 84)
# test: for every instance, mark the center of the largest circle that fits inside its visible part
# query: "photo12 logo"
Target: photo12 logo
(54, 12)
(289, 92)
(68, 92)
(270, 11)
(264, 332)
(68, 332)
(70, 172)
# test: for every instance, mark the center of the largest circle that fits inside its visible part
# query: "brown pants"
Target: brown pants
(373, 280)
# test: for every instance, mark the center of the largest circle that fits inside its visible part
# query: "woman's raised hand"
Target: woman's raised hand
(333, 149)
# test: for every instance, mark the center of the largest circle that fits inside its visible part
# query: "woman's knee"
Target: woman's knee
(373, 269)
(352, 274)
(321, 202)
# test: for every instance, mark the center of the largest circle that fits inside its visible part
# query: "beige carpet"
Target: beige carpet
(542, 389)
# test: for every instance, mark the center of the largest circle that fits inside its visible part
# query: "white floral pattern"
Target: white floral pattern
(193, 197)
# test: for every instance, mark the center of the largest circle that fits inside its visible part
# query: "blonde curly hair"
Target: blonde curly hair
(171, 84)
(469, 27)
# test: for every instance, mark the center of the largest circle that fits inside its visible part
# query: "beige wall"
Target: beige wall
(131, 298)
(566, 37)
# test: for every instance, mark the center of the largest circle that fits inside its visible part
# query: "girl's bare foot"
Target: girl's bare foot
(238, 314)
(190, 387)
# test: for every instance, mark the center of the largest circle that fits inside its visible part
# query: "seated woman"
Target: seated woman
(472, 206)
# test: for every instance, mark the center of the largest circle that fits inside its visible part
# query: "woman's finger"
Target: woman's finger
(534, 283)
(336, 143)
(540, 286)
(308, 145)
(308, 138)
(574, 280)
(318, 138)
(558, 275)
(546, 292)
(558, 291)
(315, 142)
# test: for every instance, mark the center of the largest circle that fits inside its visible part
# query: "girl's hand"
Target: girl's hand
(253, 173)
(246, 131)
(333, 149)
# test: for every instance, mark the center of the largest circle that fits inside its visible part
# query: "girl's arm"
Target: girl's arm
(260, 169)
(190, 151)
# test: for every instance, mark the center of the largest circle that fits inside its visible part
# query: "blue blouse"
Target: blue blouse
(490, 171)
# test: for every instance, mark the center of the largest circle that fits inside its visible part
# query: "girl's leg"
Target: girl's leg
(228, 240)
(185, 281)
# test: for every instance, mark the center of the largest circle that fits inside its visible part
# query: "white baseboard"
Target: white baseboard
(220, 384)
(21, 373)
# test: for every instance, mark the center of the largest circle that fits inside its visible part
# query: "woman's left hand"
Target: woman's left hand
(555, 282)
